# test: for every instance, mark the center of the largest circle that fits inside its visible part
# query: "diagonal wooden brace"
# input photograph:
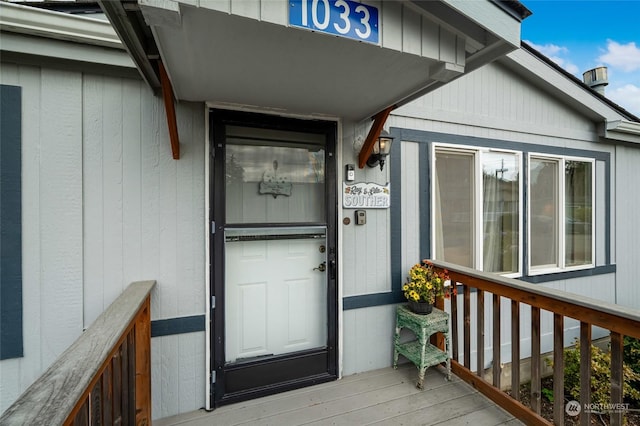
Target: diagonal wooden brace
(170, 109)
(374, 133)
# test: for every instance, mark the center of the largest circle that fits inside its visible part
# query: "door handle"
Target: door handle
(321, 267)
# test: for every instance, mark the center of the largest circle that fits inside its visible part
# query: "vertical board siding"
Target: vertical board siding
(112, 141)
(368, 341)
(93, 91)
(627, 244)
(107, 206)
(30, 366)
(364, 245)
(147, 215)
(494, 98)
(131, 255)
(60, 142)
(176, 374)
(402, 28)
(410, 209)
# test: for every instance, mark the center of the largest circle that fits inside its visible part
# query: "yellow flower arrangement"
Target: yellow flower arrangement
(424, 283)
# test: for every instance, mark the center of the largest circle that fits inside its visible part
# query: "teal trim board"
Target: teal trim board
(11, 338)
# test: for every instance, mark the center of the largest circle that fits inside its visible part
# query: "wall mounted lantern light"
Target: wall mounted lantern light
(381, 149)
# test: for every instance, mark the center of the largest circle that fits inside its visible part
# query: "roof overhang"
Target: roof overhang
(623, 130)
(613, 122)
(246, 53)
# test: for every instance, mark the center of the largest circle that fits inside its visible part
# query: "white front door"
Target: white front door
(274, 254)
(276, 292)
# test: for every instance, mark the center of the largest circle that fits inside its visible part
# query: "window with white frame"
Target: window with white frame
(561, 200)
(477, 215)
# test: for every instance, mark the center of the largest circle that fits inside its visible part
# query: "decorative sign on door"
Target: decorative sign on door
(365, 195)
(274, 183)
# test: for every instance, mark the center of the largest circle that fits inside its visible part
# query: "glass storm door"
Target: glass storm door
(273, 255)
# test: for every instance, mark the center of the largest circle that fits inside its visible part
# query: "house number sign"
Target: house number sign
(344, 18)
(365, 195)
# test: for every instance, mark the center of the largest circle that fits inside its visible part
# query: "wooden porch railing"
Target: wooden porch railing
(619, 320)
(103, 378)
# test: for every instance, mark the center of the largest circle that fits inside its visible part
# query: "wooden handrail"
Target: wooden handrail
(104, 377)
(619, 320)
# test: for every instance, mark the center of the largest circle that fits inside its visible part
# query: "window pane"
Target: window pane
(454, 208)
(500, 185)
(578, 213)
(544, 213)
(274, 176)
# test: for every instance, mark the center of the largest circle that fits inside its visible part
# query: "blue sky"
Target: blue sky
(582, 34)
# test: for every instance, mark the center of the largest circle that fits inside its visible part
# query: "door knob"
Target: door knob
(321, 267)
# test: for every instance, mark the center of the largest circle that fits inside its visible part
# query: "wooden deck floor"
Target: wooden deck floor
(386, 396)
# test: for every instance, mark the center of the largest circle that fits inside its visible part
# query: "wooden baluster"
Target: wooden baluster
(497, 369)
(143, 366)
(116, 363)
(124, 390)
(536, 391)
(130, 413)
(82, 417)
(616, 377)
(480, 333)
(95, 405)
(558, 369)
(467, 325)
(454, 324)
(585, 371)
(107, 395)
(515, 350)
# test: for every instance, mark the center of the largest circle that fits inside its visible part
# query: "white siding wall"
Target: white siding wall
(627, 247)
(364, 246)
(368, 338)
(493, 102)
(104, 204)
(52, 222)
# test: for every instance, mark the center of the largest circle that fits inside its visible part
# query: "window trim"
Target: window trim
(478, 199)
(561, 159)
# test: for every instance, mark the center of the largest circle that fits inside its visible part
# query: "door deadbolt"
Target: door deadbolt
(321, 267)
(322, 249)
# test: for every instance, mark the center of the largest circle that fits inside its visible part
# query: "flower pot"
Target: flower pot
(420, 308)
